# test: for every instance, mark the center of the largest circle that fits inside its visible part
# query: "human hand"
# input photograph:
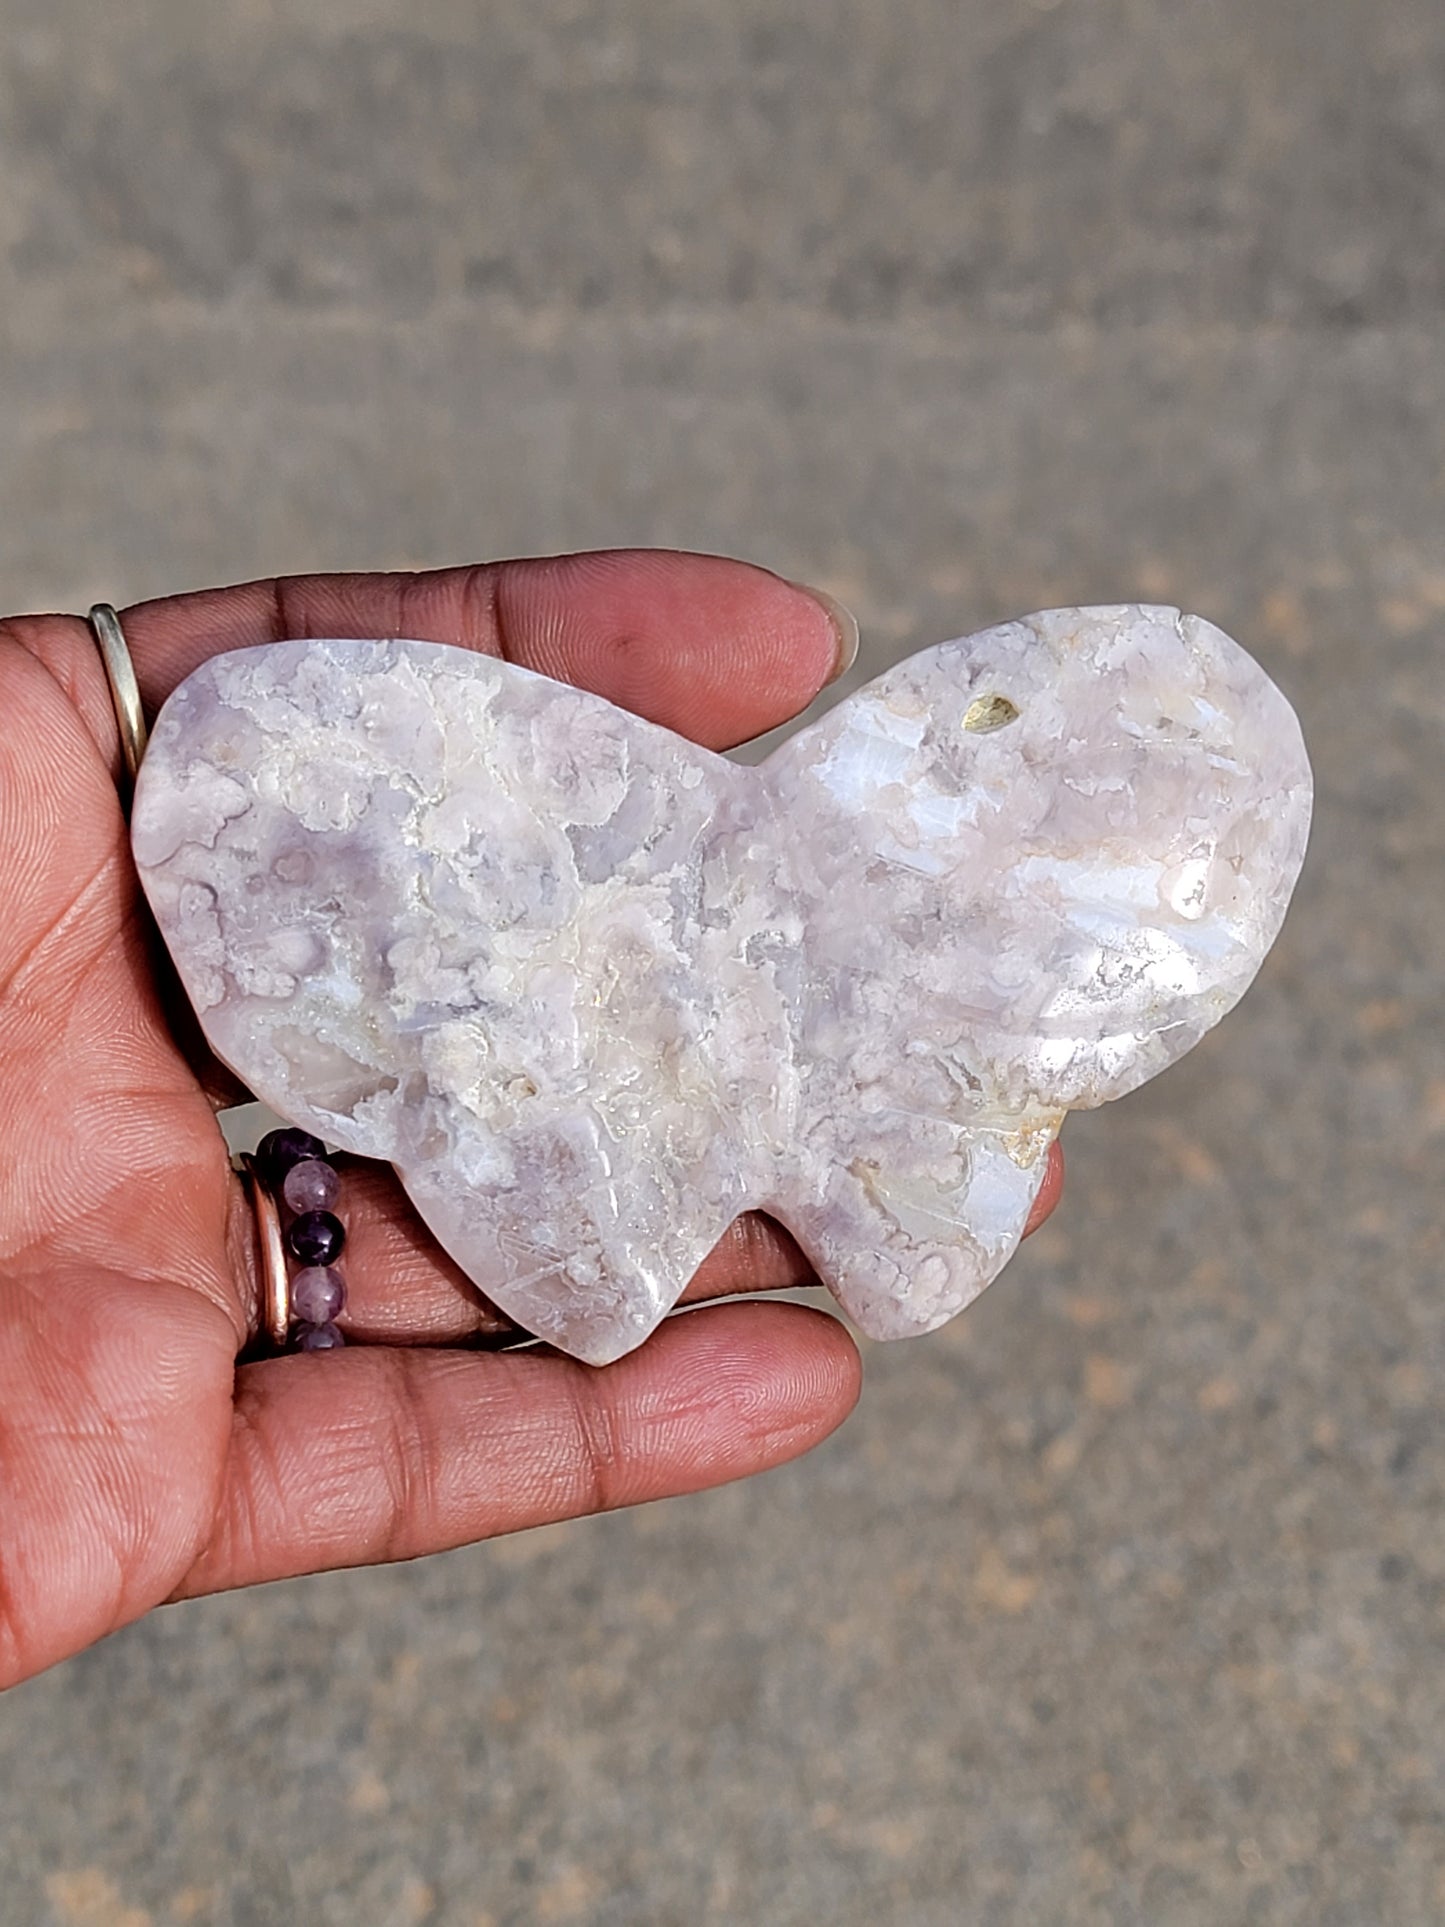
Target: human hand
(139, 1462)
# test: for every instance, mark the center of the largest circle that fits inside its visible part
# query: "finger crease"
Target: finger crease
(597, 1443)
(483, 623)
(409, 1470)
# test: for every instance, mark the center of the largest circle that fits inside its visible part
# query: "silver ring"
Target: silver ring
(124, 689)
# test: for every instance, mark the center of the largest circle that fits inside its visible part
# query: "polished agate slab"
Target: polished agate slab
(594, 991)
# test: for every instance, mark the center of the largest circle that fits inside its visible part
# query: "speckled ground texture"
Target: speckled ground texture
(1120, 1600)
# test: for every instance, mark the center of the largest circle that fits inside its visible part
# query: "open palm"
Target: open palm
(139, 1462)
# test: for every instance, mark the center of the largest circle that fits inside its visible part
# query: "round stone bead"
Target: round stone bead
(316, 1238)
(317, 1294)
(318, 1338)
(311, 1185)
(279, 1150)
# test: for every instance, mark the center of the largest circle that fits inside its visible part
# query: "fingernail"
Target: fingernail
(845, 628)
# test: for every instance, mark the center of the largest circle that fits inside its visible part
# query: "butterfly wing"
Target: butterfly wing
(1036, 866)
(433, 908)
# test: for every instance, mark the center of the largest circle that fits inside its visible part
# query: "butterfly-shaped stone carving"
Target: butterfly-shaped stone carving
(595, 991)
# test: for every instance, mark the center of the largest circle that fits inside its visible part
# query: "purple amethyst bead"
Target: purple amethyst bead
(318, 1338)
(311, 1185)
(316, 1238)
(317, 1294)
(279, 1150)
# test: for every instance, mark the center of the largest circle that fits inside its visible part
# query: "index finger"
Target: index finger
(715, 649)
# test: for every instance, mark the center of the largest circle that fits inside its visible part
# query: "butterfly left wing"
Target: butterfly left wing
(435, 908)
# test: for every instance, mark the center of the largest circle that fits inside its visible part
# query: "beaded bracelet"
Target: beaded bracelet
(292, 1166)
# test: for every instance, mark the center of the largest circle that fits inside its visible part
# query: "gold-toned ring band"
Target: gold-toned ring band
(124, 689)
(275, 1286)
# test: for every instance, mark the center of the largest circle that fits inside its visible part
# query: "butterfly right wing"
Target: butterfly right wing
(1036, 866)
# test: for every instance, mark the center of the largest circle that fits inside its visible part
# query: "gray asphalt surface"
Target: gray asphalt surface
(1120, 1600)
